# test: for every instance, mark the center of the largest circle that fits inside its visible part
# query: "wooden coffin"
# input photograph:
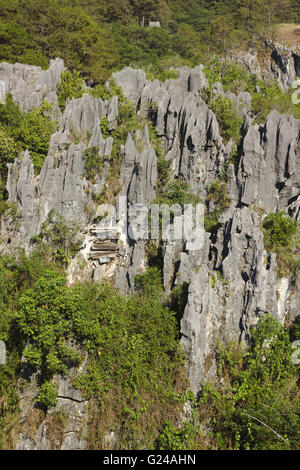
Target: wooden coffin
(104, 234)
(98, 254)
(99, 245)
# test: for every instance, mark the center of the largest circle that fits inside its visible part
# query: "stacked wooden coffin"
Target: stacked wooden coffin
(104, 246)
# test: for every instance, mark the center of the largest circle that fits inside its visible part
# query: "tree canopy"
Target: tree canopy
(96, 37)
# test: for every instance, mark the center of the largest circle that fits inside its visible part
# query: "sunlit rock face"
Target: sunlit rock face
(266, 179)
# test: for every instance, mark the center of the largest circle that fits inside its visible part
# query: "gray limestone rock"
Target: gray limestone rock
(63, 427)
(61, 185)
(29, 84)
(154, 24)
(139, 171)
(284, 64)
(267, 175)
(132, 83)
(232, 279)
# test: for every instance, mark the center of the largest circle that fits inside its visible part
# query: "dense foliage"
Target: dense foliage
(140, 392)
(177, 192)
(52, 326)
(228, 118)
(58, 237)
(134, 378)
(97, 36)
(23, 131)
(265, 96)
(256, 403)
(71, 86)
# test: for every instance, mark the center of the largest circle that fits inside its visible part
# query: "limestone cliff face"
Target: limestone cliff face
(281, 63)
(285, 63)
(29, 85)
(267, 179)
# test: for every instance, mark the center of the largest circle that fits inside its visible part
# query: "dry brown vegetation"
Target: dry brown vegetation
(288, 34)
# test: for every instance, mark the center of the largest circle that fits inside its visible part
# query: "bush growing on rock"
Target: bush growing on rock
(93, 162)
(47, 395)
(265, 94)
(229, 120)
(279, 231)
(178, 192)
(217, 201)
(256, 403)
(60, 236)
(71, 86)
(233, 77)
(25, 131)
(281, 236)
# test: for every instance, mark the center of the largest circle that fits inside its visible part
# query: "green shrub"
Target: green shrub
(105, 127)
(281, 236)
(173, 438)
(156, 72)
(10, 113)
(217, 201)
(71, 86)
(279, 231)
(145, 381)
(295, 329)
(34, 133)
(93, 162)
(163, 170)
(229, 120)
(16, 275)
(8, 284)
(49, 317)
(9, 409)
(177, 192)
(266, 95)
(100, 91)
(9, 151)
(138, 384)
(152, 278)
(256, 404)
(21, 131)
(60, 236)
(47, 395)
(233, 77)
(34, 57)
(9, 148)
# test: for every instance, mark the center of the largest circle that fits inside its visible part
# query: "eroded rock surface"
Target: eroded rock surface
(232, 279)
(29, 84)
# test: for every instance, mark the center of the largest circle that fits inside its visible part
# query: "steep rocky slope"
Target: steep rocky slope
(232, 279)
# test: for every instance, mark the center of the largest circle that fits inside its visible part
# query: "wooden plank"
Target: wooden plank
(104, 234)
(98, 246)
(98, 254)
(104, 242)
